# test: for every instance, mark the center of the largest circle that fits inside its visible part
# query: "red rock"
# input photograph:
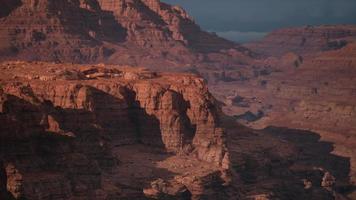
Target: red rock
(77, 122)
(304, 40)
(304, 87)
(136, 32)
(84, 132)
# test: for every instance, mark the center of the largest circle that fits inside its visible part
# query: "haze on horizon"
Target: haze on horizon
(246, 20)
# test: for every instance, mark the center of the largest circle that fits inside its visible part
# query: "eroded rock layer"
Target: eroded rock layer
(61, 125)
(67, 130)
(305, 40)
(308, 88)
(136, 32)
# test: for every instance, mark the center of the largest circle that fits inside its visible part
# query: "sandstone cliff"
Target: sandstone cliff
(63, 128)
(305, 40)
(67, 130)
(135, 32)
(310, 87)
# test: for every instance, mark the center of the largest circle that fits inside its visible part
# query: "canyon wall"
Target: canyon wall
(301, 87)
(135, 32)
(67, 130)
(61, 124)
(304, 40)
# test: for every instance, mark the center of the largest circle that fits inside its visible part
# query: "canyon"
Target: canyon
(116, 132)
(308, 87)
(134, 32)
(65, 128)
(131, 99)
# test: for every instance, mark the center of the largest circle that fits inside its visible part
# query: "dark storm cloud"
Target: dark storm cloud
(260, 16)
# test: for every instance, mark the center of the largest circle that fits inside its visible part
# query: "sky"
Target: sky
(246, 20)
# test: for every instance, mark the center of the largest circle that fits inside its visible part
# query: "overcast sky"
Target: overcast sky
(243, 20)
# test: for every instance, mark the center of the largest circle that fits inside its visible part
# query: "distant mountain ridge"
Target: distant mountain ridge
(305, 40)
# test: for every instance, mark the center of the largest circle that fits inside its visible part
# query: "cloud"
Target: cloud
(242, 37)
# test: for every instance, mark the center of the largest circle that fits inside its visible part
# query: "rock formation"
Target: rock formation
(115, 132)
(136, 32)
(308, 87)
(60, 133)
(291, 164)
(305, 40)
(99, 131)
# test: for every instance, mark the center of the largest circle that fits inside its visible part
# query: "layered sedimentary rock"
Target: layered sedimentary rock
(163, 23)
(313, 90)
(291, 164)
(67, 130)
(322, 97)
(305, 40)
(135, 32)
(53, 30)
(62, 124)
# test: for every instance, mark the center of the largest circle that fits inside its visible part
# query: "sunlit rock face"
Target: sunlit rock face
(135, 32)
(304, 40)
(68, 124)
(101, 131)
(308, 87)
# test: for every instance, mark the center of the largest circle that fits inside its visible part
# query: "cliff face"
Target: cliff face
(135, 32)
(106, 132)
(53, 30)
(163, 23)
(304, 40)
(69, 123)
(322, 97)
(126, 32)
(313, 90)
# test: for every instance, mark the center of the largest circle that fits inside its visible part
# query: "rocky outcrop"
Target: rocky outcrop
(67, 130)
(42, 30)
(305, 40)
(313, 91)
(292, 164)
(66, 127)
(135, 32)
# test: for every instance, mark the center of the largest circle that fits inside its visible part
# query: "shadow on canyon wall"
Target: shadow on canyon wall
(284, 163)
(81, 149)
(8, 6)
(4, 194)
(315, 158)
